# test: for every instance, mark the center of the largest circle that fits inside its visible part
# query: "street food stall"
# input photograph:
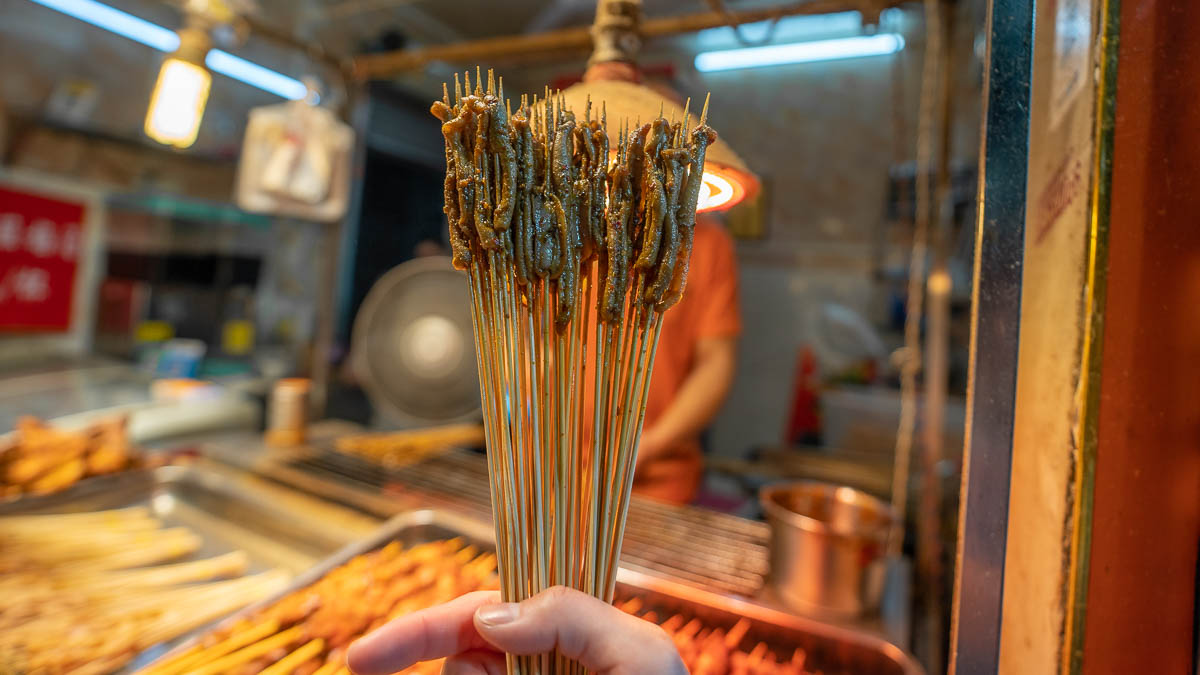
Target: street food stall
(830, 337)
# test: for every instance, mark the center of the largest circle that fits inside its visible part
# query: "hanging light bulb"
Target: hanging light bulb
(181, 92)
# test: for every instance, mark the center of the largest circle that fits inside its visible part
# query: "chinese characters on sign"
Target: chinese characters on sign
(39, 254)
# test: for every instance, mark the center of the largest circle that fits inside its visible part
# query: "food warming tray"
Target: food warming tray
(225, 515)
(831, 650)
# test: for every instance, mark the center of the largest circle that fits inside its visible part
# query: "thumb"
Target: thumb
(599, 636)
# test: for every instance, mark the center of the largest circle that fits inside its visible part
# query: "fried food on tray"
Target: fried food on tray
(402, 448)
(40, 459)
(307, 631)
(60, 477)
(85, 592)
(715, 651)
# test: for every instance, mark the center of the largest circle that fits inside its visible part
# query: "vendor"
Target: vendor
(693, 370)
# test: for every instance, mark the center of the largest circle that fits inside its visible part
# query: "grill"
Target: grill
(710, 550)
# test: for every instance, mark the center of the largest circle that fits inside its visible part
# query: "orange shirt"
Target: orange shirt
(709, 308)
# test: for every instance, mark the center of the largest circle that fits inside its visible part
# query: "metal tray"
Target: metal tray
(831, 650)
(225, 514)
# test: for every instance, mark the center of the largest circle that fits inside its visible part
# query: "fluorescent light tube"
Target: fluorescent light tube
(800, 52)
(121, 23)
(166, 40)
(786, 30)
(255, 75)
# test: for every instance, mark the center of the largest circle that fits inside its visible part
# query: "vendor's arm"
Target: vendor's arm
(714, 314)
(698, 400)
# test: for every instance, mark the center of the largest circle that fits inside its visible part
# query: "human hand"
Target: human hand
(475, 631)
(652, 444)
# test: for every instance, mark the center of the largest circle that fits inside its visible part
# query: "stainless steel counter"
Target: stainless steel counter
(73, 393)
(691, 546)
(698, 546)
(826, 648)
(62, 389)
(714, 564)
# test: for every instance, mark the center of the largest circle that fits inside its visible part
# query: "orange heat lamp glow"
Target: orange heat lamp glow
(727, 179)
(612, 82)
(722, 188)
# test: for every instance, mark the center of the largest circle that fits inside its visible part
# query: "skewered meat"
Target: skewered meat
(401, 448)
(308, 630)
(77, 596)
(41, 459)
(584, 221)
(541, 190)
(713, 651)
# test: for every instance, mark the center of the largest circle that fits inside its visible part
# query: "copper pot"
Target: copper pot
(827, 547)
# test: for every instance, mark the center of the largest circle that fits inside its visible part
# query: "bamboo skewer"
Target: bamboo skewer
(175, 664)
(215, 603)
(327, 669)
(564, 384)
(198, 655)
(289, 663)
(131, 516)
(228, 565)
(251, 652)
(75, 595)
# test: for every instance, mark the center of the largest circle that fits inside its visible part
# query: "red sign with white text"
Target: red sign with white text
(40, 241)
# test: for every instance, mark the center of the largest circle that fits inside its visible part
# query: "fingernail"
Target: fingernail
(499, 613)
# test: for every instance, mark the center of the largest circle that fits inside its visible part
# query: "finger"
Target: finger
(478, 662)
(599, 636)
(431, 633)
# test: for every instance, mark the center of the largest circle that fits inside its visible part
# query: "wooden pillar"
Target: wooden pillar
(1141, 594)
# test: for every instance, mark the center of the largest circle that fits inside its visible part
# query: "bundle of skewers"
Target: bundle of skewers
(575, 243)
(402, 448)
(87, 592)
(307, 631)
(715, 651)
(40, 459)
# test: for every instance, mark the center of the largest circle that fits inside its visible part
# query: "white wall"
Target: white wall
(776, 306)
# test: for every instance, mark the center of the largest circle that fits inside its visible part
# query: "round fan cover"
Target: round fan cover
(413, 345)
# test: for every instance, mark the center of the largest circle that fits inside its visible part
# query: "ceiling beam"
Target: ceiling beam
(515, 47)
